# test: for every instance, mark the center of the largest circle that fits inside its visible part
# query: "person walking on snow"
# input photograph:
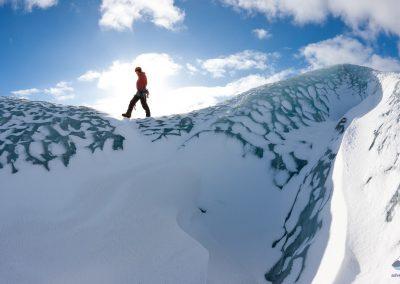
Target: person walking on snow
(142, 94)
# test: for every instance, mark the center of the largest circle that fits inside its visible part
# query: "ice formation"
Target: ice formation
(291, 182)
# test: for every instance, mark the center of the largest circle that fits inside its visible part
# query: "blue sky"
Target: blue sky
(195, 52)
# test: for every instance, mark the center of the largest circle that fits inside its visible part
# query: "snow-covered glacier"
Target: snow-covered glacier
(291, 182)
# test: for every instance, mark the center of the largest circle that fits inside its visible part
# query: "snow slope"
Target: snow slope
(290, 182)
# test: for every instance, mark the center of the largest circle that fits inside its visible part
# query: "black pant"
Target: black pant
(142, 97)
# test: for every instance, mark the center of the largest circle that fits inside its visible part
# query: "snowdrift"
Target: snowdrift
(291, 182)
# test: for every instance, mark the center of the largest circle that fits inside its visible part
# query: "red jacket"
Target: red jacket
(141, 83)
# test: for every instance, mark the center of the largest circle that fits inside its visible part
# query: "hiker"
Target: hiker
(142, 94)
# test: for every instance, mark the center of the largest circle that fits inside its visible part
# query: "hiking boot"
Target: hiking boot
(126, 115)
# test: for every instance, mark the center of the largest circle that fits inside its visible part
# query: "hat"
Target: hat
(138, 69)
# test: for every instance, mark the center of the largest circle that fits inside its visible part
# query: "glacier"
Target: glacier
(290, 182)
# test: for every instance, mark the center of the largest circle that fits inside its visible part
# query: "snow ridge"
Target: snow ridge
(42, 132)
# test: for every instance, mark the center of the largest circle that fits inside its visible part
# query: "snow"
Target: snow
(265, 187)
(371, 241)
(105, 226)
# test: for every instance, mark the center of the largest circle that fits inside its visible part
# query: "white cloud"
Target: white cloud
(191, 68)
(89, 76)
(30, 4)
(255, 80)
(384, 63)
(261, 33)
(342, 49)
(61, 91)
(121, 14)
(302, 10)
(369, 16)
(366, 17)
(279, 76)
(26, 92)
(43, 4)
(244, 60)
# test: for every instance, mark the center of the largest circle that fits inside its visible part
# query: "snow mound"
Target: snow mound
(291, 182)
(42, 132)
